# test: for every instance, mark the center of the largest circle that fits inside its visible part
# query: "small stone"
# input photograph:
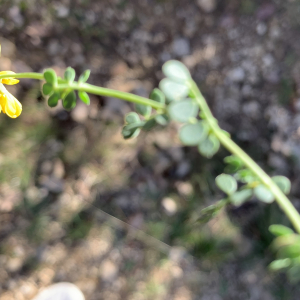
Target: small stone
(183, 169)
(236, 75)
(184, 188)
(207, 6)
(252, 109)
(120, 68)
(261, 28)
(277, 161)
(15, 15)
(46, 167)
(181, 47)
(8, 49)
(80, 113)
(169, 205)
(58, 169)
(14, 264)
(62, 11)
(165, 56)
(108, 270)
(177, 254)
(53, 47)
(268, 60)
(247, 90)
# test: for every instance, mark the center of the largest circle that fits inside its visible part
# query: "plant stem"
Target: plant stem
(280, 197)
(89, 88)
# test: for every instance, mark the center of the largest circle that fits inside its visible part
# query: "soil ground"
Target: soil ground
(115, 217)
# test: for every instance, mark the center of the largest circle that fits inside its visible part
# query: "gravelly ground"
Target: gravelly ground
(65, 176)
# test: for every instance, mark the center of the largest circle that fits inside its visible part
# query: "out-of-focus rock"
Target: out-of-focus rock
(236, 75)
(169, 206)
(8, 49)
(80, 113)
(181, 47)
(207, 6)
(183, 169)
(15, 15)
(62, 11)
(108, 270)
(261, 28)
(252, 110)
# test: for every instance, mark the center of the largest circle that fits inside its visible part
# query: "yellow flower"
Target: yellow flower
(8, 103)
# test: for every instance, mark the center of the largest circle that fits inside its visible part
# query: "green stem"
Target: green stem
(92, 89)
(280, 197)
(89, 88)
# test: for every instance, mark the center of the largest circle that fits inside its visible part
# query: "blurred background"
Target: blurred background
(115, 217)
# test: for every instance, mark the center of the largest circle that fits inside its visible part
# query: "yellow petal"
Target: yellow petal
(8, 81)
(10, 105)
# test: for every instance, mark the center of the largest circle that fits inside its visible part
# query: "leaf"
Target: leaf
(176, 71)
(149, 124)
(174, 91)
(144, 110)
(245, 176)
(162, 119)
(290, 251)
(158, 96)
(50, 77)
(84, 97)
(53, 99)
(283, 183)
(129, 132)
(69, 74)
(263, 194)
(238, 198)
(234, 163)
(209, 147)
(132, 117)
(133, 127)
(47, 89)
(280, 264)
(84, 76)
(183, 110)
(69, 101)
(226, 183)
(280, 230)
(193, 134)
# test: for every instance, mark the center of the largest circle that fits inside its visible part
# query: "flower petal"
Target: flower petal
(10, 105)
(8, 81)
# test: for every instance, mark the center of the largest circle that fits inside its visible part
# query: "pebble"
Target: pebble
(108, 270)
(236, 75)
(169, 206)
(181, 47)
(261, 28)
(80, 113)
(8, 49)
(252, 109)
(15, 15)
(62, 11)
(207, 6)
